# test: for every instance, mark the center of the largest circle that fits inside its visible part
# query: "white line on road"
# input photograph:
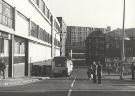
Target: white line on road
(70, 90)
(73, 82)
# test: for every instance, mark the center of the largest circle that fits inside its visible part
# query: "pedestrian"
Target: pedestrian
(133, 70)
(89, 73)
(99, 72)
(94, 67)
(109, 68)
(2, 68)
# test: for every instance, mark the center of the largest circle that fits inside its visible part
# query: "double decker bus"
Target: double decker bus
(62, 66)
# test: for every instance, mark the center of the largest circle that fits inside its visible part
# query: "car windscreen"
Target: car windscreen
(60, 61)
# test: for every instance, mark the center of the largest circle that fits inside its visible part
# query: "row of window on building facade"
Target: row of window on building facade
(7, 19)
(7, 13)
(56, 25)
(41, 34)
(45, 10)
(19, 45)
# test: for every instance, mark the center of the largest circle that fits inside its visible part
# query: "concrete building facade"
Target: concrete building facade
(27, 35)
(63, 31)
(114, 41)
(114, 49)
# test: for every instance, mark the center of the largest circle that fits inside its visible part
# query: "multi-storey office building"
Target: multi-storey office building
(27, 35)
(114, 49)
(75, 45)
(63, 31)
(114, 41)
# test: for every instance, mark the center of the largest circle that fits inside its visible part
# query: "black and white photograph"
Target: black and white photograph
(67, 47)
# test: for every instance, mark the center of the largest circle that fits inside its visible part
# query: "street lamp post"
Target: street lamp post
(123, 49)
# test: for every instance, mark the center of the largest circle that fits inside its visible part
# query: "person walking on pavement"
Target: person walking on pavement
(89, 73)
(133, 70)
(2, 68)
(99, 72)
(94, 72)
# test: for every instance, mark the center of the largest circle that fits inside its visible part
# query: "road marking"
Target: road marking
(70, 90)
(131, 86)
(73, 82)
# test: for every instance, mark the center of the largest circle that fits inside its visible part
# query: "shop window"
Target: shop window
(19, 47)
(4, 46)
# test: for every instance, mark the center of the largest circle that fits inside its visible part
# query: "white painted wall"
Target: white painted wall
(22, 26)
(28, 9)
(39, 52)
(10, 2)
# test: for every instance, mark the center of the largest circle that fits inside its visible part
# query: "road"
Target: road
(75, 85)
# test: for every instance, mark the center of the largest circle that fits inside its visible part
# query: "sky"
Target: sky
(94, 13)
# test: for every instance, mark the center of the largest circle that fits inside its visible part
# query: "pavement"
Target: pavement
(78, 73)
(19, 81)
(77, 84)
(106, 79)
(116, 77)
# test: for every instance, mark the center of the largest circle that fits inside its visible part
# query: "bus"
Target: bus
(62, 66)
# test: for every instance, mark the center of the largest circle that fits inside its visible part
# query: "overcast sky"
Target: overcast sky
(94, 13)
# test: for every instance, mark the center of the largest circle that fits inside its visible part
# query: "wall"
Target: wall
(38, 52)
(30, 11)
(22, 25)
